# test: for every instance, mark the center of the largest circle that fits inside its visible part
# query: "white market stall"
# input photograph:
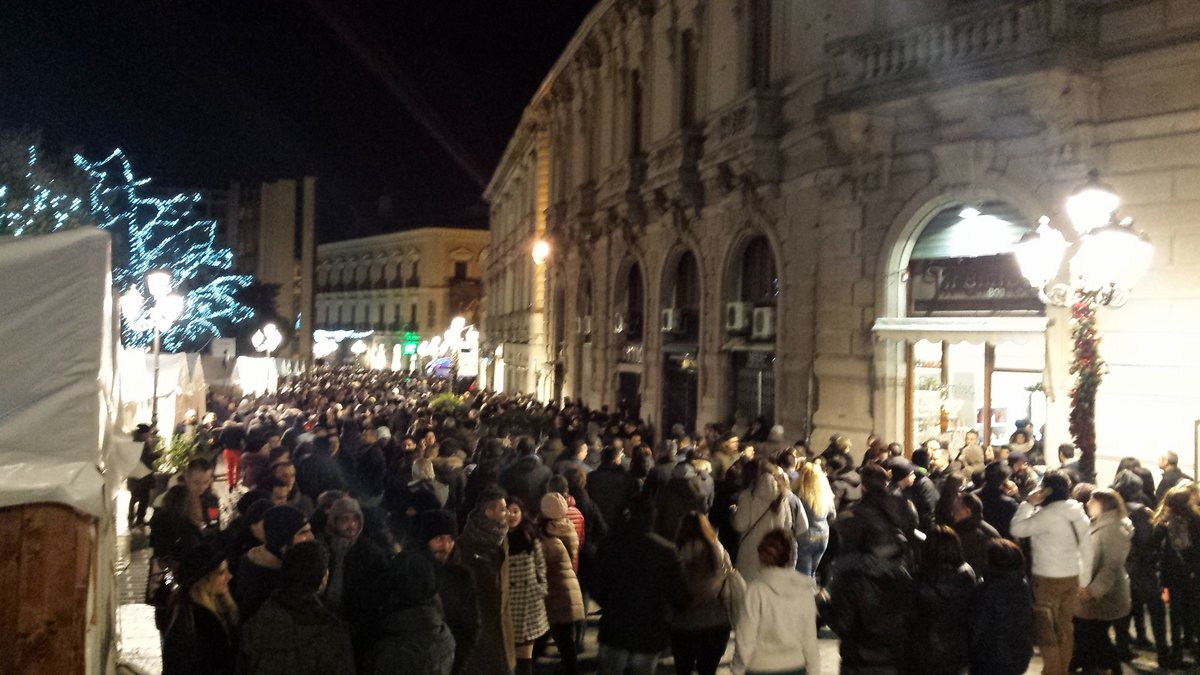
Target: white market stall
(59, 459)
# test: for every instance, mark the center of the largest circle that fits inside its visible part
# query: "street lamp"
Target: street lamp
(266, 339)
(1108, 258)
(541, 251)
(358, 348)
(157, 315)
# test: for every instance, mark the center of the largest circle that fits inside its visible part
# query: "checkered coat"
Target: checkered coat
(527, 593)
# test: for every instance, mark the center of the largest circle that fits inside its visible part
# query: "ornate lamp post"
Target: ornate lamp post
(1108, 257)
(266, 339)
(157, 315)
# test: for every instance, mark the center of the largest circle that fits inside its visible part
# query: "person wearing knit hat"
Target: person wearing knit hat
(200, 633)
(455, 586)
(354, 562)
(554, 506)
(258, 571)
(293, 632)
(564, 598)
(437, 531)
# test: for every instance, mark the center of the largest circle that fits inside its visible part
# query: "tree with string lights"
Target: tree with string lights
(149, 232)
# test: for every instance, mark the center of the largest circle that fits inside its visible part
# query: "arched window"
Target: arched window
(682, 297)
(963, 261)
(760, 281)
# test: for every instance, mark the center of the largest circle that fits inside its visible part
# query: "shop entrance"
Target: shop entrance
(957, 387)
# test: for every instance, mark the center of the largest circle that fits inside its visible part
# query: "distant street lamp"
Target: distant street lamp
(541, 251)
(266, 339)
(1109, 257)
(157, 315)
(358, 349)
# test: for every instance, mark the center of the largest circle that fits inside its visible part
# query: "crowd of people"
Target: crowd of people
(379, 524)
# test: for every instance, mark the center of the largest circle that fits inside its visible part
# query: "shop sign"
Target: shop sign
(986, 283)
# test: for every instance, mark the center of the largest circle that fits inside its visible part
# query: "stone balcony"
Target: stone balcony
(673, 172)
(620, 186)
(741, 141)
(976, 41)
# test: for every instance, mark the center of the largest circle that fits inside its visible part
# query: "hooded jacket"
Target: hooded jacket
(678, 496)
(757, 515)
(777, 624)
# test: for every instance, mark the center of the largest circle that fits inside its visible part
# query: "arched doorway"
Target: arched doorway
(680, 326)
(752, 298)
(971, 332)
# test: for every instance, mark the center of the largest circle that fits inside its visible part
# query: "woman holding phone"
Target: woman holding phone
(1058, 529)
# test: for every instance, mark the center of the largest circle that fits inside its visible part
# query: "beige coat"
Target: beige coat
(1108, 593)
(564, 602)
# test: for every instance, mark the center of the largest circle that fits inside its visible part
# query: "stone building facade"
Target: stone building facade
(413, 281)
(806, 211)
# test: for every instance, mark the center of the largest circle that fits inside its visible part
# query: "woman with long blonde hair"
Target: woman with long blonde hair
(812, 487)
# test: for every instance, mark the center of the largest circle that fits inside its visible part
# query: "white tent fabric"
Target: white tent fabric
(137, 388)
(57, 402)
(256, 375)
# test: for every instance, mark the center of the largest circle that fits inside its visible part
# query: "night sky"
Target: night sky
(203, 92)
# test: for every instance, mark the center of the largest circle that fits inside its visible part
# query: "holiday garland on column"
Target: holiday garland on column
(1088, 368)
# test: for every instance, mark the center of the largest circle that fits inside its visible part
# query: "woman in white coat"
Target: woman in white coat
(777, 625)
(761, 508)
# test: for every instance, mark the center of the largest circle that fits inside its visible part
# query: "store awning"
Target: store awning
(972, 329)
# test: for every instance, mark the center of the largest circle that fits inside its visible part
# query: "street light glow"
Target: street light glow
(158, 282)
(541, 251)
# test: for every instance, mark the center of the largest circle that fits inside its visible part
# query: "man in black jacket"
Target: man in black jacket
(1172, 474)
(635, 626)
(611, 486)
(455, 587)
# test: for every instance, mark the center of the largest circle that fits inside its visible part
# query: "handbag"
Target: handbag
(732, 593)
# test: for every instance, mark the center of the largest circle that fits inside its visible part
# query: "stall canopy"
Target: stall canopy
(56, 395)
(181, 387)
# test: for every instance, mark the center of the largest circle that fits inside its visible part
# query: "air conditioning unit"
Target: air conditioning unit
(671, 320)
(764, 323)
(619, 323)
(579, 325)
(737, 315)
(587, 325)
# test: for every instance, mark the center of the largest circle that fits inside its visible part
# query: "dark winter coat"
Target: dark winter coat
(975, 534)
(611, 487)
(638, 582)
(413, 640)
(1171, 478)
(847, 490)
(871, 612)
(198, 643)
(295, 636)
(998, 509)
(526, 479)
(487, 559)
(319, 473)
(680, 495)
(943, 608)
(924, 497)
(449, 471)
(456, 589)
(1001, 625)
(361, 603)
(1178, 562)
(172, 535)
(255, 583)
